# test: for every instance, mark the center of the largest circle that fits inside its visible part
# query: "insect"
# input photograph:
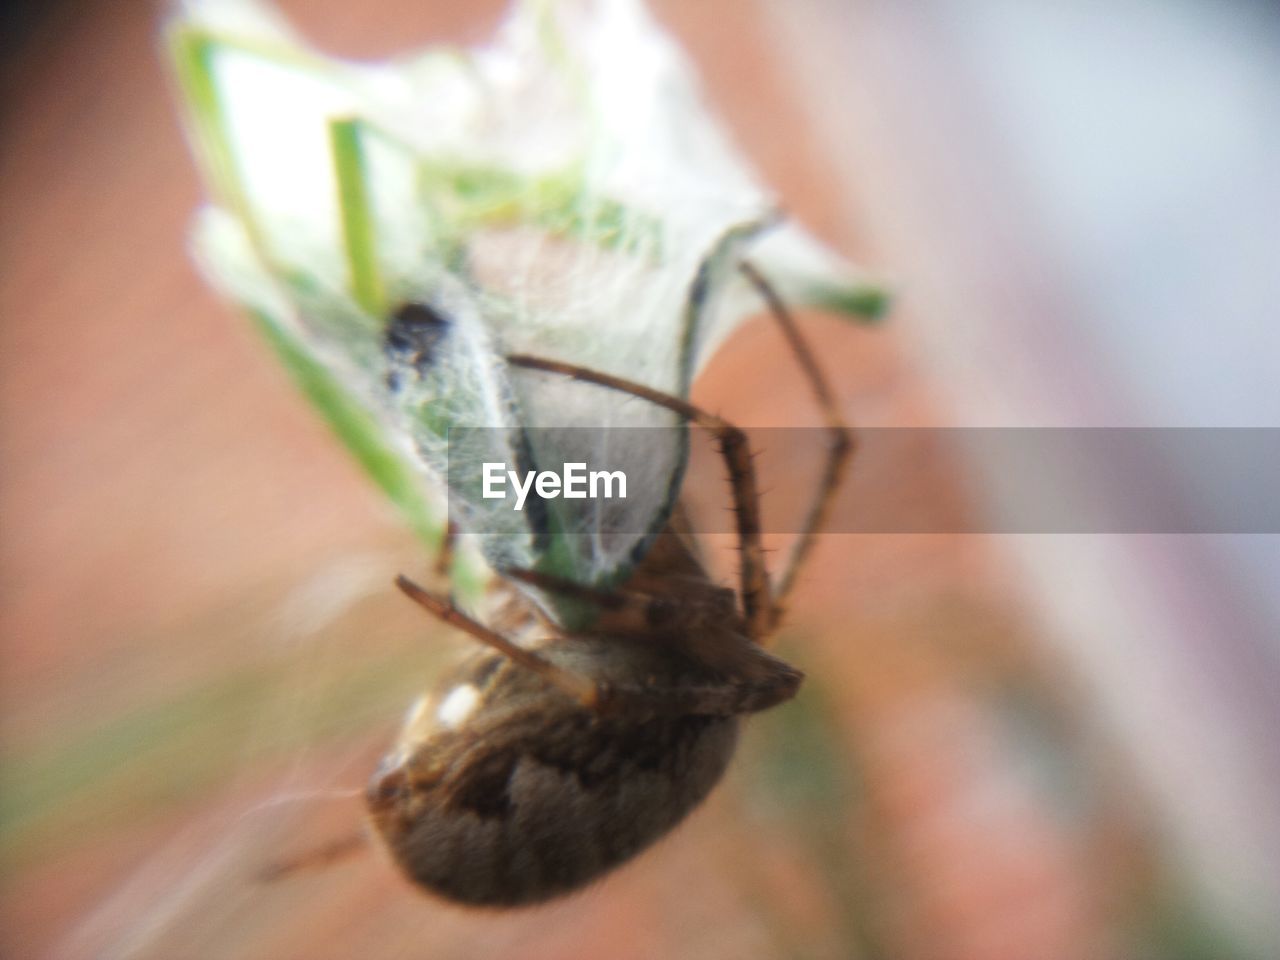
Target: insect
(549, 757)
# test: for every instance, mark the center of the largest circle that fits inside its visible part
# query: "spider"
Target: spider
(541, 762)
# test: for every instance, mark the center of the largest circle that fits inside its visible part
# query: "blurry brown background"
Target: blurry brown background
(202, 654)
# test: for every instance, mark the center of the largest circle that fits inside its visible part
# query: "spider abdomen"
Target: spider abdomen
(516, 819)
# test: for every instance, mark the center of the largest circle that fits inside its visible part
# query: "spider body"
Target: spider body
(551, 757)
(506, 790)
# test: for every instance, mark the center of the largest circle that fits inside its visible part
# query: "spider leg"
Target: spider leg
(629, 611)
(578, 687)
(317, 858)
(840, 447)
(757, 595)
(772, 682)
(444, 559)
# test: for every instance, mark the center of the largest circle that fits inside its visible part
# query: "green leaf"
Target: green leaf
(358, 226)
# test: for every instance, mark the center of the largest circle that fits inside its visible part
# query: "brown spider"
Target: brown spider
(541, 763)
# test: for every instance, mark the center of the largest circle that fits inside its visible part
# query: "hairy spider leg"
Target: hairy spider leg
(637, 611)
(757, 595)
(580, 688)
(778, 683)
(444, 559)
(841, 445)
(762, 605)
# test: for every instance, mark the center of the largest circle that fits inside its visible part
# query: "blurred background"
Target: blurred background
(1049, 746)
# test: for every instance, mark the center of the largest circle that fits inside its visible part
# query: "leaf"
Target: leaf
(560, 192)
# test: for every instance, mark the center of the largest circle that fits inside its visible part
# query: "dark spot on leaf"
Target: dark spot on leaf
(412, 336)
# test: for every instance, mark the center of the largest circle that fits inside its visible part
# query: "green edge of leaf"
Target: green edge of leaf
(864, 303)
(192, 54)
(359, 231)
(193, 51)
